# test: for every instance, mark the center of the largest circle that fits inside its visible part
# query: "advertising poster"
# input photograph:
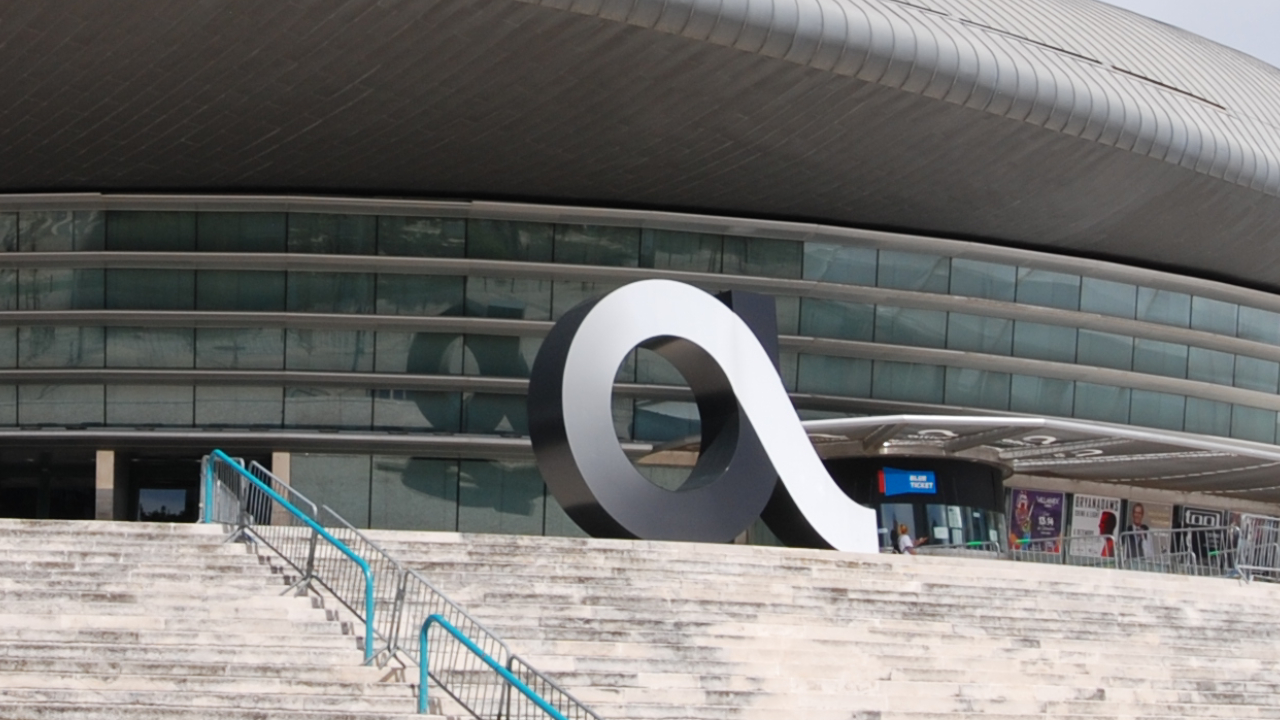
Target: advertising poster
(1141, 518)
(1095, 523)
(1197, 537)
(1035, 519)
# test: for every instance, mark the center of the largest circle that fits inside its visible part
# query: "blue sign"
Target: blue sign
(902, 482)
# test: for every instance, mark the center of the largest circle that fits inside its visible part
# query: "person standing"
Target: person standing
(905, 545)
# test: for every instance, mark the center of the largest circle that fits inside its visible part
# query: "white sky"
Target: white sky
(1247, 25)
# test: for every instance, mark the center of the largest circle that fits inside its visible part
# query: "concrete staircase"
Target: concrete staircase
(107, 621)
(645, 630)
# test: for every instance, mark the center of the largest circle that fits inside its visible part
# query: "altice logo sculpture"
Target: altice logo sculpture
(726, 348)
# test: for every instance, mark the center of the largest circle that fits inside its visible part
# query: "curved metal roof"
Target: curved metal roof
(1064, 125)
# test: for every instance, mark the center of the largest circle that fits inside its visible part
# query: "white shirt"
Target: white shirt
(905, 545)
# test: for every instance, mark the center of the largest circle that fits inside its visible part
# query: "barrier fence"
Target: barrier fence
(393, 602)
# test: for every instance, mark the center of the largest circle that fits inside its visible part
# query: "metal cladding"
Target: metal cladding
(751, 435)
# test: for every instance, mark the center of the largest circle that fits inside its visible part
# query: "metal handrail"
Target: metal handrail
(319, 531)
(502, 672)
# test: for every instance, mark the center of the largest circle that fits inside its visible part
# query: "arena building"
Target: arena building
(331, 237)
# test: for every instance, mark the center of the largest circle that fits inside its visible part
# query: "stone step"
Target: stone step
(88, 711)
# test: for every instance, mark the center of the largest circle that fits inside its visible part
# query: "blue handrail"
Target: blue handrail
(364, 565)
(475, 649)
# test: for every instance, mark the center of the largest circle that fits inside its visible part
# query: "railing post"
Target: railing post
(311, 561)
(397, 612)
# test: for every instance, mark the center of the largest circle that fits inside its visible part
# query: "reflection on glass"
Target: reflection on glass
(1105, 297)
(232, 406)
(163, 505)
(151, 289)
(57, 347)
(567, 294)
(417, 410)
(414, 494)
(419, 295)
(337, 350)
(1164, 306)
(1159, 358)
(60, 289)
(421, 237)
(61, 231)
(674, 250)
(332, 234)
(1041, 396)
(914, 271)
(1102, 402)
(510, 298)
(65, 405)
(138, 231)
(8, 405)
(788, 312)
(1248, 423)
(1156, 409)
(240, 348)
(597, 245)
(1214, 316)
(419, 353)
(495, 414)
(826, 375)
(975, 278)
(845, 264)
(500, 497)
(977, 388)
(1044, 342)
(330, 292)
(1210, 366)
(150, 405)
(907, 382)
(910, 326)
(665, 420)
(1208, 417)
(339, 481)
(334, 408)
(763, 257)
(1259, 325)
(1048, 288)
(974, 333)
(1255, 374)
(241, 232)
(509, 240)
(137, 347)
(500, 356)
(240, 290)
(653, 369)
(1104, 349)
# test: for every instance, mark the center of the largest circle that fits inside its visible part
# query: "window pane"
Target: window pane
(137, 347)
(332, 234)
(240, 348)
(1049, 289)
(665, 420)
(624, 410)
(241, 232)
(60, 289)
(61, 347)
(909, 326)
(419, 353)
(1159, 358)
(500, 497)
(240, 291)
(1208, 417)
(1102, 402)
(66, 405)
(1259, 325)
(567, 294)
(339, 481)
(510, 298)
(8, 405)
(836, 319)
(1211, 366)
(1255, 374)
(977, 389)
(151, 231)
(241, 407)
(673, 250)
(845, 264)
(1104, 350)
(908, 382)
(973, 333)
(330, 292)
(9, 347)
(336, 350)
(497, 356)
(653, 369)
(151, 289)
(421, 237)
(1041, 396)
(913, 271)
(1044, 342)
(150, 405)
(429, 295)
(332, 408)
(558, 523)
(763, 257)
(1164, 306)
(8, 232)
(417, 410)
(1108, 298)
(1156, 409)
(414, 494)
(1213, 316)
(1248, 423)
(509, 240)
(788, 310)
(597, 245)
(496, 414)
(60, 231)
(825, 375)
(975, 278)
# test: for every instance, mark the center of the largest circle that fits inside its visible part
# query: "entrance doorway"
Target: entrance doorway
(47, 485)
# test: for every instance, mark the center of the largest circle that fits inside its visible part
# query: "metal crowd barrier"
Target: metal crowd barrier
(393, 602)
(1206, 552)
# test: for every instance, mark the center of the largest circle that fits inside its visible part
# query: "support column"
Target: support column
(104, 506)
(280, 466)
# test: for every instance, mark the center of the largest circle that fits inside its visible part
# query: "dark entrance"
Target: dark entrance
(57, 485)
(163, 488)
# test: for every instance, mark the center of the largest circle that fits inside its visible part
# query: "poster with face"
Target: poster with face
(1137, 538)
(1035, 519)
(1095, 522)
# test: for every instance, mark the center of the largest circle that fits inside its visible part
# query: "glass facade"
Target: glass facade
(443, 348)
